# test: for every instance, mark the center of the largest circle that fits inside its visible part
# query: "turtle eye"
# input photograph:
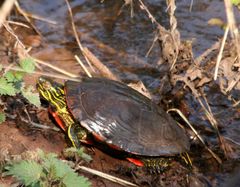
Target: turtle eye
(47, 85)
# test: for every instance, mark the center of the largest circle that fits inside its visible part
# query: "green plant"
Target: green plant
(46, 170)
(11, 83)
(235, 2)
(79, 153)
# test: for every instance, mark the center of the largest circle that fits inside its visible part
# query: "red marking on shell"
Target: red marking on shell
(136, 162)
(114, 147)
(98, 137)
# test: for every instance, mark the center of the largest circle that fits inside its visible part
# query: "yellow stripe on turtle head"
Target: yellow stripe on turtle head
(52, 93)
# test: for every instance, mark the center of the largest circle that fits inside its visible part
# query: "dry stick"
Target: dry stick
(235, 34)
(40, 18)
(236, 103)
(7, 68)
(106, 176)
(109, 50)
(83, 66)
(161, 29)
(37, 125)
(233, 141)
(196, 133)
(232, 25)
(208, 114)
(151, 47)
(18, 23)
(173, 27)
(233, 83)
(5, 10)
(58, 76)
(56, 68)
(100, 66)
(200, 58)
(191, 5)
(21, 11)
(37, 17)
(9, 29)
(220, 52)
(76, 34)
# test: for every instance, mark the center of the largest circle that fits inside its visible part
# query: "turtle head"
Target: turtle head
(52, 92)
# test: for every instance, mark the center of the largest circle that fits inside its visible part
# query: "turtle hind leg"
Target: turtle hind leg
(156, 165)
(153, 165)
(76, 134)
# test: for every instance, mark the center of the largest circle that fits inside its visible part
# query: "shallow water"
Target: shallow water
(101, 21)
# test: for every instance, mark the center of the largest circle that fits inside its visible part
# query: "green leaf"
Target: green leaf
(19, 75)
(72, 179)
(70, 152)
(28, 172)
(2, 117)
(57, 166)
(43, 155)
(6, 88)
(28, 65)
(235, 2)
(32, 97)
(10, 76)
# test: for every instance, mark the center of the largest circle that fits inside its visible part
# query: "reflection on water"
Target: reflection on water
(130, 35)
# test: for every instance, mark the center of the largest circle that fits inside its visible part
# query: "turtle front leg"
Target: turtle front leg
(76, 134)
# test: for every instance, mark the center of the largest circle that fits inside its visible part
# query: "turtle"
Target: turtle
(117, 116)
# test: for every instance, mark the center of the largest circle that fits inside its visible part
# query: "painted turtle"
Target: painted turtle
(115, 115)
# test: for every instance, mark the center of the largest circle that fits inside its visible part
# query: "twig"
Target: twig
(196, 133)
(55, 68)
(173, 29)
(232, 25)
(151, 47)
(5, 10)
(236, 103)
(208, 113)
(233, 83)
(37, 125)
(18, 23)
(233, 141)
(73, 26)
(21, 11)
(9, 29)
(37, 61)
(220, 53)
(106, 176)
(37, 17)
(83, 66)
(151, 17)
(40, 126)
(53, 75)
(76, 34)
(100, 66)
(191, 5)
(235, 34)
(200, 58)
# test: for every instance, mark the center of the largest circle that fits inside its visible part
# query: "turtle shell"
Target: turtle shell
(124, 118)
